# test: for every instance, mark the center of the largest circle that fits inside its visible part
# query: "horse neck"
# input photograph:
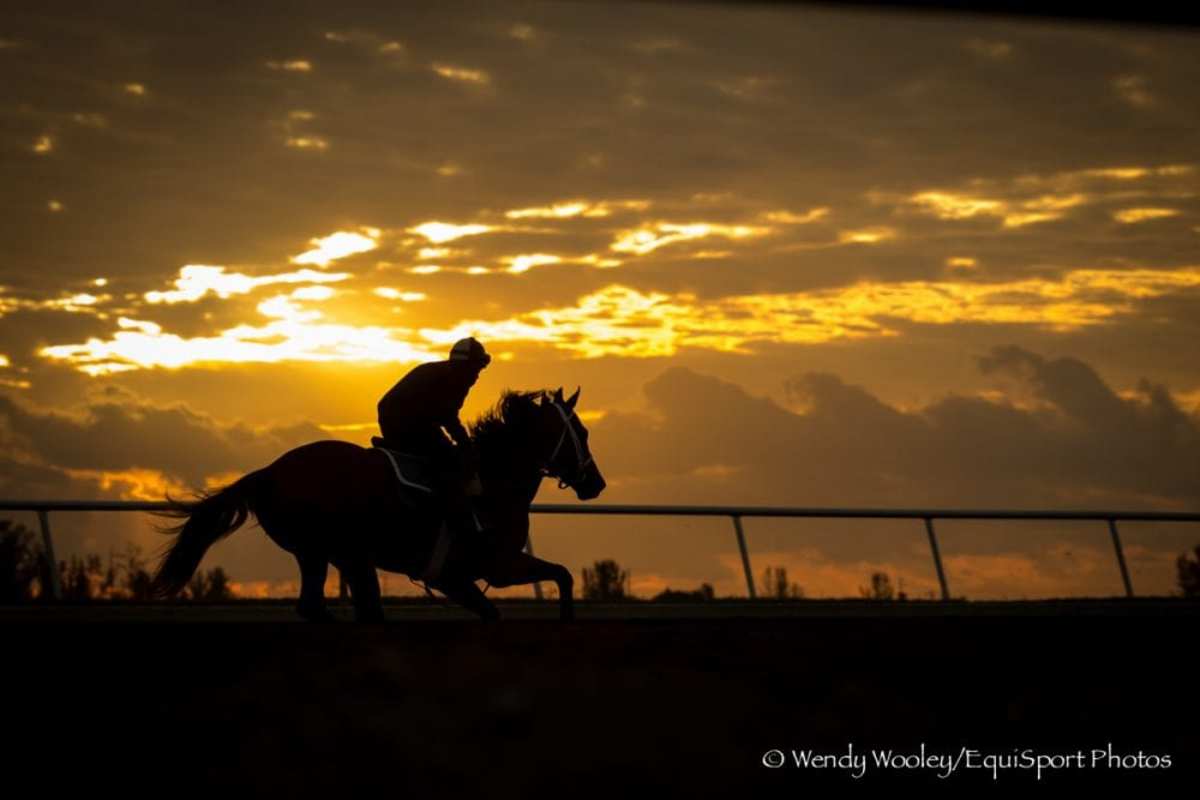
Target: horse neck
(511, 478)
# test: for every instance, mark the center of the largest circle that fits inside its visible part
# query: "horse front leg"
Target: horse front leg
(364, 592)
(522, 568)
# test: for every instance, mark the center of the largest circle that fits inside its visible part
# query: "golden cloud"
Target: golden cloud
(396, 294)
(789, 218)
(339, 245)
(1130, 216)
(958, 206)
(578, 208)
(462, 74)
(867, 235)
(197, 280)
(519, 264)
(622, 321)
(75, 303)
(307, 143)
(441, 232)
(641, 241)
(295, 65)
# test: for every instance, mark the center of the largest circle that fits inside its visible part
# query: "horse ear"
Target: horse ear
(573, 399)
(558, 394)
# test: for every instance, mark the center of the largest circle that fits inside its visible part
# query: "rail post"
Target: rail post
(48, 554)
(1112, 528)
(937, 558)
(741, 538)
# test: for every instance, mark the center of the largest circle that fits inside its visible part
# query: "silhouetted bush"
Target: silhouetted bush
(669, 595)
(19, 562)
(605, 581)
(1189, 573)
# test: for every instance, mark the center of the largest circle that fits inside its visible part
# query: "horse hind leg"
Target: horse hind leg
(311, 606)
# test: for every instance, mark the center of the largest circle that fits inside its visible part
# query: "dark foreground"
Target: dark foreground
(121, 700)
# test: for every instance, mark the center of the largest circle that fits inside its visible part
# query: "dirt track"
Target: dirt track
(680, 706)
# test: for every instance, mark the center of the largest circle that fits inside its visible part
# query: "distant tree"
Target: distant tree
(776, 586)
(138, 581)
(19, 562)
(1189, 573)
(605, 581)
(880, 589)
(669, 595)
(81, 578)
(210, 586)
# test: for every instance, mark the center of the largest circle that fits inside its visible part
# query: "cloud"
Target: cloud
(1079, 444)
(339, 245)
(307, 143)
(462, 74)
(294, 65)
(120, 443)
(195, 281)
(647, 239)
(1133, 215)
(441, 232)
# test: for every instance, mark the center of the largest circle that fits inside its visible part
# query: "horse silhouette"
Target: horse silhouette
(334, 502)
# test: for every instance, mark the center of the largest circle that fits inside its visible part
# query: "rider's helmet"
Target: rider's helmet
(470, 351)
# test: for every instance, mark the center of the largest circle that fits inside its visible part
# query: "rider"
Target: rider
(414, 412)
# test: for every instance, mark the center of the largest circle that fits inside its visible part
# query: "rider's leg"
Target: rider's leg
(457, 505)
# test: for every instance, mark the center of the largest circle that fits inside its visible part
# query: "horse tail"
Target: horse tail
(208, 518)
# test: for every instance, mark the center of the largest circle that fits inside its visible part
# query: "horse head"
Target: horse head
(565, 440)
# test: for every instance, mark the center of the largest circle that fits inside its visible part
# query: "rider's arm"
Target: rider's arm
(457, 432)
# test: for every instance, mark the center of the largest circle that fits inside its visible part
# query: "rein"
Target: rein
(581, 462)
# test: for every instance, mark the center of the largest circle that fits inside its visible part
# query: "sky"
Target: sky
(793, 255)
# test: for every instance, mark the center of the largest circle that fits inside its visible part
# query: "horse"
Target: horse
(335, 502)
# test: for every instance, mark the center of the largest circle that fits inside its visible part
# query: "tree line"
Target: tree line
(24, 575)
(124, 576)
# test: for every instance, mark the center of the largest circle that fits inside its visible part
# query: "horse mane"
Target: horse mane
(496, 425)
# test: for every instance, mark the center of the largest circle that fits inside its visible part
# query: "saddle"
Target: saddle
(418, 476)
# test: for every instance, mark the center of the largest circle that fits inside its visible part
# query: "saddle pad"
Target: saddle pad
(415, 471)
(411, 475)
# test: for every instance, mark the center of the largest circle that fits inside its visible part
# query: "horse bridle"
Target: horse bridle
(579, 457)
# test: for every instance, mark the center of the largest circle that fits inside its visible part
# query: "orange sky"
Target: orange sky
(792, 255)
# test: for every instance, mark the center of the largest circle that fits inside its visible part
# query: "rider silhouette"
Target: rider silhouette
(426, 401)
